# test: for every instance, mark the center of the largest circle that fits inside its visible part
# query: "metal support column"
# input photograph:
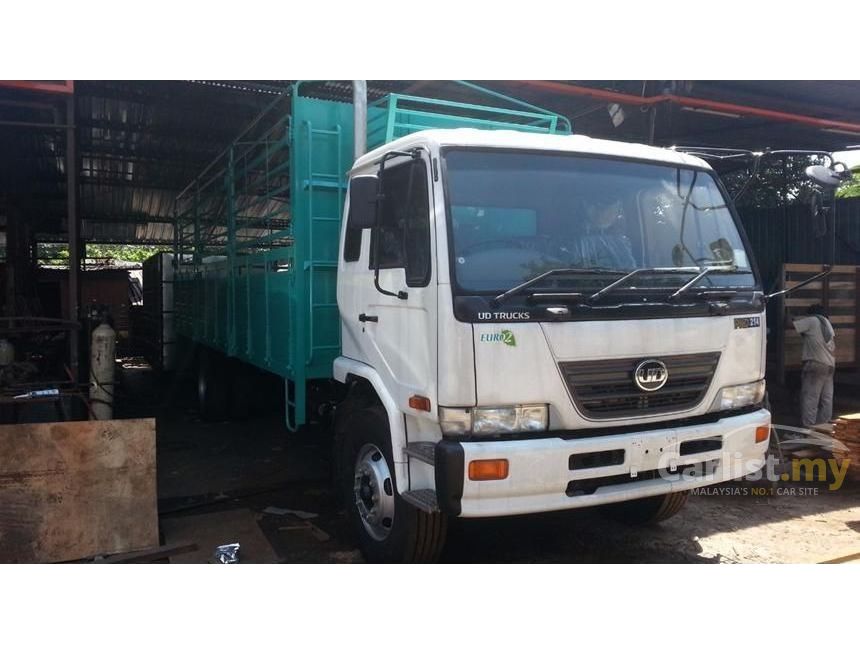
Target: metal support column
(652, 124)
(230, 181)
(72, 224)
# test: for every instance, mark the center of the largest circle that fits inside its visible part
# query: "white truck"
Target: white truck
(536, 322)
(507, 320)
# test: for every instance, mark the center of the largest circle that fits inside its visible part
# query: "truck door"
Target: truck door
(398, 335)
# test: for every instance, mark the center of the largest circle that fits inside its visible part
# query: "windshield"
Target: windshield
(516, 215)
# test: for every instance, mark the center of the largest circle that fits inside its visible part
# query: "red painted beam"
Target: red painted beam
(62, 87)
(688, 101)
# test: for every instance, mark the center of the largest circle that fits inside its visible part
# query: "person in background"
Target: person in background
(819, 364)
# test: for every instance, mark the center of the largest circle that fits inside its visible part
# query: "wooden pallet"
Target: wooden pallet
(838, 293)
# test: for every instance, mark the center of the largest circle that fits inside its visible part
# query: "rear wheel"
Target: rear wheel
(387, 528)
(649, 510)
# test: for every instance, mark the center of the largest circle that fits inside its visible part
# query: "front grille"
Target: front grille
(604, 389)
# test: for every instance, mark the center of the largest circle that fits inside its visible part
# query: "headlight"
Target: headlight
(739, 396)
(496, 420)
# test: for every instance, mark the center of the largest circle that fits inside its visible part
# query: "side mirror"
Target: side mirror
(363, 191)
(828, 177)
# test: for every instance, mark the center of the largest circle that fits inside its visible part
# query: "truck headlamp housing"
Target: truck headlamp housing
(493, 420)
(739, 396)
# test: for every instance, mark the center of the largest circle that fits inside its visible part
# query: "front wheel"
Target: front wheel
(387, 528)
(649, 510)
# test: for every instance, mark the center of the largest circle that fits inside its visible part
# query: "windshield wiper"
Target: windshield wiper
(645, 271)
(689, 283)
(705, 271)
(548, 274)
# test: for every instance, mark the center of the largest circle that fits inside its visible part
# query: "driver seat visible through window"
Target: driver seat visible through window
(602, 250)
(603, 244)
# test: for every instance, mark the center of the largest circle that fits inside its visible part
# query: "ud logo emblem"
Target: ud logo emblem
(650, 375)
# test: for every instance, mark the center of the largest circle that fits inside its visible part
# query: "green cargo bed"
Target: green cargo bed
(257, 232)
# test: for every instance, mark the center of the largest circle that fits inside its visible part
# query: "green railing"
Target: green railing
(397, 115)
(257, 237)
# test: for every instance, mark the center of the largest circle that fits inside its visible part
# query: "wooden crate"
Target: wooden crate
(77, 489)
(838, 293)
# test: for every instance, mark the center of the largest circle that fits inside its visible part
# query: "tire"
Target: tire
(386, 528)
(212, 385)
(649, 510)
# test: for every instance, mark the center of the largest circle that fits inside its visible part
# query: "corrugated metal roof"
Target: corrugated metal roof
(140, 142)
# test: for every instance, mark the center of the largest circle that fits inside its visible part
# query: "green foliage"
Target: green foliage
(126, 253)
(53, 254)
(781, 181)
(852, 188)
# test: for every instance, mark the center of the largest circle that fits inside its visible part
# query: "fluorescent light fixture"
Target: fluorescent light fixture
(616, 113)
(730, 115)
(839, 131)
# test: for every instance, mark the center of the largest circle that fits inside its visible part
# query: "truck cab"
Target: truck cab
(536, 322)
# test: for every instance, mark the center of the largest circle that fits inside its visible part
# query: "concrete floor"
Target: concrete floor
(207, 469)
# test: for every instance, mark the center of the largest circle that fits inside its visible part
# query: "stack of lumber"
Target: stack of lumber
(847, 431)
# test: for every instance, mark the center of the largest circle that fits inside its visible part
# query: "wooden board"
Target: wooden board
(77, 489)
(812, 269)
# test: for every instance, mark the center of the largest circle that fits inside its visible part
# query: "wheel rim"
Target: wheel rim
(373, 492)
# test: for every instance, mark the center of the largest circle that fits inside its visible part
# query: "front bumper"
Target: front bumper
(654, 462)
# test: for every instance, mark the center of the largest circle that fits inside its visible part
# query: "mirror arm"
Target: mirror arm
(750, 179)
(800, 284)
(380, 196)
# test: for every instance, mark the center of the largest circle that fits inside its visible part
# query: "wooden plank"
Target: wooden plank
(805, 302)
(819, 284)
(149, 555)
(845, 352)
(845, 349)
(77, 489)
(812, 269)
(842, 334)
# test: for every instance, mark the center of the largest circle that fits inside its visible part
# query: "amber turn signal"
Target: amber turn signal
(762, 433)
(417, 402)
(482, 470)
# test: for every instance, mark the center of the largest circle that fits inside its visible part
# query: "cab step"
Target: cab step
(422, 451)
(424, 500)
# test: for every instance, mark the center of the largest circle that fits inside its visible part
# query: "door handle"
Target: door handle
(366, 318)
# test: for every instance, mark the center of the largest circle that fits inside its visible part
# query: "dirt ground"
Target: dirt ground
(811, 524)
(799, 528)
(209, 469)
